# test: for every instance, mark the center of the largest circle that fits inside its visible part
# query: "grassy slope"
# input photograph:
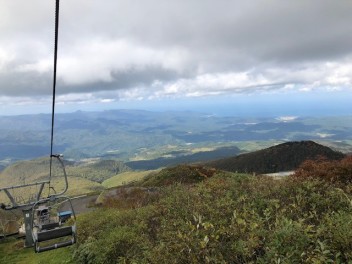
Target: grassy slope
(38, 170)
(213, 216)
(14, 252)
(183, 174)
(125, 178)
(84, 178)
(227, 218)
(26, 172)
(77, 186)
(97, 171)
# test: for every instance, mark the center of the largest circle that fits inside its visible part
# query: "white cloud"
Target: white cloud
(155, 49)
(42, 66)
(286, 118)
(23, 101)
(339, 74)
(96, 60)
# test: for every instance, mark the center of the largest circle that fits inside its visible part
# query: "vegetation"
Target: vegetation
(12, 251)
(196, 214)
(226, 218)
(283, 157)
(126, 178)
(185, 174)
(98, 171)
(83, 178)
(27, 172)
(337, 172)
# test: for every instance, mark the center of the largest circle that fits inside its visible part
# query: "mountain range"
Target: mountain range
(163, 138)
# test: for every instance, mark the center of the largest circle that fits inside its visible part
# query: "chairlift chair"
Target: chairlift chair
(45, 229)
(49, 231)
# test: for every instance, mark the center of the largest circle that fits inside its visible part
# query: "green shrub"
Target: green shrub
(336, 228)
(226, 219)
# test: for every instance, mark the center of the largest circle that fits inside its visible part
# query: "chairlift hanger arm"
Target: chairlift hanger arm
(14, 204)
(41, 185)
(58, 157)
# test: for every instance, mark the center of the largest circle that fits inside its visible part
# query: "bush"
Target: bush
(227, 218)
(335, 172)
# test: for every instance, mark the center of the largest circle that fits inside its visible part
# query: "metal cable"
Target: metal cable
(57, 7)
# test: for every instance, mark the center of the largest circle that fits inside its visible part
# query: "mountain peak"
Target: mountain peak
(282, 157)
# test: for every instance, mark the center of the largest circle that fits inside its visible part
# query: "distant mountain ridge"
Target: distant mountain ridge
(201, 156)
(129, 135)
(283, 157)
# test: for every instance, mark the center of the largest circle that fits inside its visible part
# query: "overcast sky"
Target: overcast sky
(120, 52)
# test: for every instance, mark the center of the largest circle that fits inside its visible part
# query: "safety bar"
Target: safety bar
(39, 249)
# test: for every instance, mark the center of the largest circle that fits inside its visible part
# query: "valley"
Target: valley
(165, 138)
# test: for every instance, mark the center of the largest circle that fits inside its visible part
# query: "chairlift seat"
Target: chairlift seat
(50, 226)
(55, 233)
(48, 235)
(64, 216)
(65, 213)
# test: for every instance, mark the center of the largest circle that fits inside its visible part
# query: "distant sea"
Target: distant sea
(312, 104)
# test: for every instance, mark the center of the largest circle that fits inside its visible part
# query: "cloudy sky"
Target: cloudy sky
(176, 54)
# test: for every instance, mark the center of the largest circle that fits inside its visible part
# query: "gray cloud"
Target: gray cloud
(126, 79)
(166, 48)
(25, 83)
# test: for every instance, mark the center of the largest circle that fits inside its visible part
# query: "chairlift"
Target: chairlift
(47, 227)
(50, 230)
(50, 225)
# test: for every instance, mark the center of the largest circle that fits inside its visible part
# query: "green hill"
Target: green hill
(38, 169)
(97, 171)
(26, 172)
(126, 178)
(184, 174)
(283, 157)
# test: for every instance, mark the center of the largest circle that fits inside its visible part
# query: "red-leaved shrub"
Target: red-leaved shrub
(334, 171)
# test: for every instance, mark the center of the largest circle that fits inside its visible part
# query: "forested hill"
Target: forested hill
(283, 157)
